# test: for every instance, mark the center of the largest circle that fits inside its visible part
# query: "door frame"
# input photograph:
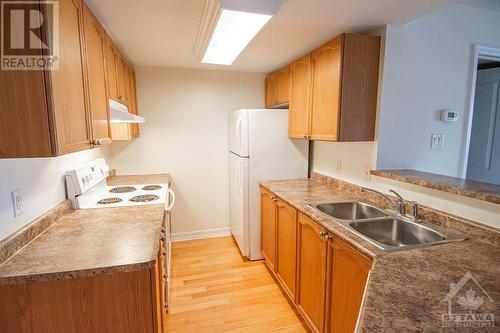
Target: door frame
(483, 52)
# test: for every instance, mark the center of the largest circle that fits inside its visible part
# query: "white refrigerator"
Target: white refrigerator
(259, 149)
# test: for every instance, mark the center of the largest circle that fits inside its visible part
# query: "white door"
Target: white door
(238, 132)
(238, 183)
(484, 153)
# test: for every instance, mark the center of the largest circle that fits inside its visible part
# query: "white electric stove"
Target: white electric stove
(87, 188)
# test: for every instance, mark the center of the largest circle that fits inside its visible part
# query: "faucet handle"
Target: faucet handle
(414, 209)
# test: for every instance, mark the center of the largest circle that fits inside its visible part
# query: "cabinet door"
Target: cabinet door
(121, 78)
(326, 62)
(68, 86)
(96, 75)
(312, 252)
(111, 69)
(349, 272)
(268, 227)
(133, 100)
(300, 98)
(287, 246)
(271, 90)
(283, 88)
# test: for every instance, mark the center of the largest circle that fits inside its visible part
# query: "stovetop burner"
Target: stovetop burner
(144, 198)
(151, 187)
(122, 189)
(108, 201)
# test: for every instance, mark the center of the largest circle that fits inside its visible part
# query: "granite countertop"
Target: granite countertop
(405, 290)
(92, 241)
(465, 187)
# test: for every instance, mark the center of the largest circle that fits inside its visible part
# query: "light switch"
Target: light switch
(437, 141)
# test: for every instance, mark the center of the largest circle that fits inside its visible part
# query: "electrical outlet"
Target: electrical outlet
(17, 201)
(437, 141)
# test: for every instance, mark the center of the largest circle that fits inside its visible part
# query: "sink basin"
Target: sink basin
(351, 210)
(398, 234)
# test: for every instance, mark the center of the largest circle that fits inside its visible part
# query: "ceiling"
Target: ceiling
(163, 32)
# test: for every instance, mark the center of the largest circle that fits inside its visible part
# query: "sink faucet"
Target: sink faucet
(399, 204)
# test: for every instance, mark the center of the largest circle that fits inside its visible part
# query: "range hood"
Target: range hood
(118, 113)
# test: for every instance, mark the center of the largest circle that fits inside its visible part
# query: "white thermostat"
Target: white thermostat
(449, 116)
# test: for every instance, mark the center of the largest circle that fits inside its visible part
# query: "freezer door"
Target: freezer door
(238, 132)
(238, 183)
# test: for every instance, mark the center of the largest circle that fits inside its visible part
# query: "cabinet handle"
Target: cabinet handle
(323, 234)
(122, 98)
(328, 237)
(96, 142)
(274, 199)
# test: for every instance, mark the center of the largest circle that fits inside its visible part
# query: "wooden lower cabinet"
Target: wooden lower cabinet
(322, 275)
(117, 302)
(286, 246)
(347, 280)
(268, 227)
(312, 255)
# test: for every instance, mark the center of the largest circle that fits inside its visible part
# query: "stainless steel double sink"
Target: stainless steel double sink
(387, 231)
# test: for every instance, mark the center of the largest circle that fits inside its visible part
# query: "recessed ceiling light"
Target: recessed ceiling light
(228, 26)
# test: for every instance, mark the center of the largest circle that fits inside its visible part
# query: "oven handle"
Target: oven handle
(172, 203)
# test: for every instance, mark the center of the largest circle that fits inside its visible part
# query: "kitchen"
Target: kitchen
(138, 105)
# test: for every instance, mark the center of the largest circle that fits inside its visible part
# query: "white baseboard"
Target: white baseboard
(218, 232)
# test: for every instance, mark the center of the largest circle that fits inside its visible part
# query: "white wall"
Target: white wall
(41, 181)
(425, 68)
(428, 66)
(185, 134)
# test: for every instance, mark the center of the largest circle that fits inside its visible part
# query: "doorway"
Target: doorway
(482, 160)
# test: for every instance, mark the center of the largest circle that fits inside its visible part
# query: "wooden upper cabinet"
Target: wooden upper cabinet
(95, 44)
(283, 90)
(360, 71)
(344, 93)
(332, 90)
(300, 98)
(66, 110)
(24, 115)
(121, 78)
(68, 82)
(348, 275)
(326, 91)
(271, 87)
(268, 227)
(111, 55)
(286, 246)
(311, 260)
(133, 100)
(277, 88)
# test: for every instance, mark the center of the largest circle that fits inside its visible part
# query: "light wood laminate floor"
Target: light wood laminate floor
(214, 290)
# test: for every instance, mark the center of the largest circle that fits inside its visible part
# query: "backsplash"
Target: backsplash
(474, 229)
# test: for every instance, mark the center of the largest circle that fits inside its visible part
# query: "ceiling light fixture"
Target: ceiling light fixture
(228, 26)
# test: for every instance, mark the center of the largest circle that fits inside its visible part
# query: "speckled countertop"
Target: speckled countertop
(92, 241)
(406, 289)
(465, 187)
